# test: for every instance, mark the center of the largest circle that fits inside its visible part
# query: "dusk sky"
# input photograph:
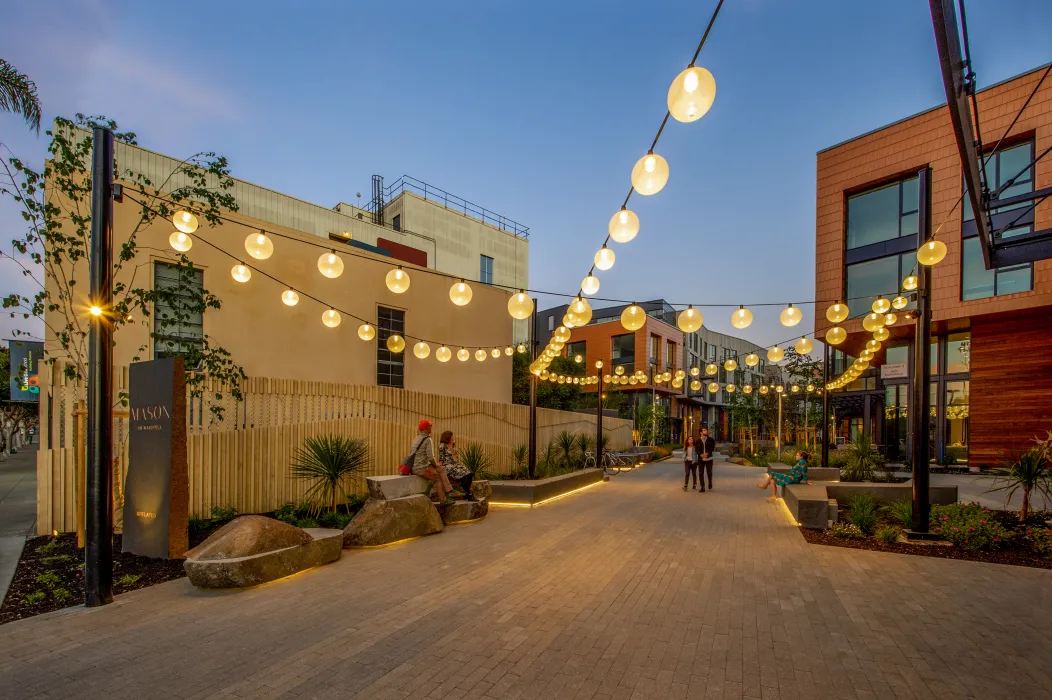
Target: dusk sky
(536, 110)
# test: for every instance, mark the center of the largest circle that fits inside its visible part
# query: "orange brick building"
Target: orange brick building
(991, 390)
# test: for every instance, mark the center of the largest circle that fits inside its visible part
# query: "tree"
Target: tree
(653, 422)
(565, 397)
(56, 243)
(18, 94)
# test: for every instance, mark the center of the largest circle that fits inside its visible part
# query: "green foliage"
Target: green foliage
(61, 594)
(566, 442)
(653, 423)
(547, 461)
(846, 530)
(128, 580)
(888, 534)
(328, 462)
(332, 519)
(355, 503)
(52, 545)
(521, 457)
(565, 397)
(196, 525)
(221, 514)
(838, 459)
(48, 578)
(862, 511)
(861, 460)
(474, 457)
(307, 522)
(1040, 540)
(1028, 472)
(969, 526)
(35, 597)
(901, 512)
(287, 513)
(18, 94)
(60, 559)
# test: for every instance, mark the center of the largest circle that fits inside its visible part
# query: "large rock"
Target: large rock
(463, 511)
(385, 521)
(253, 549)
(387, 488)
(481, 490)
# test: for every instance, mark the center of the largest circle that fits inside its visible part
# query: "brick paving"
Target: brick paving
(633, 589)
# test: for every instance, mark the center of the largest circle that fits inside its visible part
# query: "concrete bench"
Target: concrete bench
(813, 473)
(810, 504)
(529, 492)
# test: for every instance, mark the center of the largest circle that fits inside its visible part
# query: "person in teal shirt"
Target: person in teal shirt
(796, 475)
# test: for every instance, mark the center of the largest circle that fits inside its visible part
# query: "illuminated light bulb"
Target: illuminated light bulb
(775, 354)
(764, 389)
(480, 355)
(544, 375)
(494, 353)
(873, 346)
(607, 379)
(460, 293)
(836, 335)
(184, 221)
(95, 311)
(691, 94)
(520, 305)
(873, 321)
(804, 346)
(837, 313)
(729, 388)
(910, 283)
(747, 389)
(520, 348)
(290, 298)
(730, 364)
(790, 316)
(331, 318)
(650, 174)
(796, 388)
(677, 383)
(241, 273)
(711, 369)
(752, 359)
(443, 354)
(561, 335)
(619, 370)
(604, 258)
(741, 318)
(881, 305)
(694, 371)
(680, 374)
(562, 379)
(900, 302)
(690, 320)
(666, 376)
(590, 285)
(509, 351)
(576, 380)
(695, 385)
(713, 387)
(779, 389)
(398, 280)
(931, 253)
(881, 334)
(259, 246)
(180, 241)
(581, 310)
(569, 320)
(633, 318)
(463, 355)
(421, 350)
(330, 265)
(366, 332)
(891, 318)
(624, 225)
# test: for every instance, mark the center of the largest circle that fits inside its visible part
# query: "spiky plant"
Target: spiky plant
(475, 458)
(521, 456)
(1029, 473)
(567, 444)
(329, 461)
(18, 94)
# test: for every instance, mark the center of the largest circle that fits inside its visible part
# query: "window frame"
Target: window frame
(899, 184)
(177, 341)
(485, 270)
(386, 327)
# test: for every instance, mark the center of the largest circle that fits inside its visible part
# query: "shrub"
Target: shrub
(334, 520)
(51, 545)
(861, 460)
(355, 502)
(566, 443)
(35, 597)
(888, 534)
(1028, 472)
(286, 513)
(547, 460)
(196, 525)
(220, 513)
(838, 459)
(328, 461)
(307, 522)
(1040, 540)
(901, 512)
(128, 580)
(48, 578)
(475, 458)
(61, 594)
(660, 452)
(521, 457)
(846, 530)
(969, 526)
(862, 511)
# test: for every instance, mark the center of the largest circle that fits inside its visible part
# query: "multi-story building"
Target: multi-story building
(991, 376)
(657, 347)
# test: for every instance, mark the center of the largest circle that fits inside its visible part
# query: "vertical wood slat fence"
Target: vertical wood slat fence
(244, 460)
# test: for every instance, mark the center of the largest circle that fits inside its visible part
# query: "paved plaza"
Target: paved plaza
(631, 589)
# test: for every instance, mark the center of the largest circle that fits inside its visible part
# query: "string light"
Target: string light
(873, 321)
(180, 241)
(690, 320)
(691, 94)
(395, 343)
(881, 334)
(633, 317)
(330, 264)
(463, 355)
(741, 318)
(443, 354)
(910, 283)
(259, 246)
(509, 351)
(775, 354)
(900, 302)
(604, 258)
(460, 293)
(366, 332)
(711, 369)
(650, 174)
(241, 273)
(520, 305)
(290, 298)
(730, 364)
(495, 353)
(623, 226)
(836, 335)
(520, 348)
(837, 313)
(881, 305)
(581, 310)
(422, 350)
(590, 285)
(397, 280)
(804, 346)
(931, 253)
(480, 355)
(752, 359)
(331, 318)
(790, 316)
(184, 221)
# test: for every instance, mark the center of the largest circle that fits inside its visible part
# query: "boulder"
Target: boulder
(253, 549)
(463, 511)
(385, 521)
(481, 490)
(387, 488)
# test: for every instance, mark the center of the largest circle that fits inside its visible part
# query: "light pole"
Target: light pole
(599, 415)
(780, 390)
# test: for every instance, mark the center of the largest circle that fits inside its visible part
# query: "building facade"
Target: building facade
(990, 378)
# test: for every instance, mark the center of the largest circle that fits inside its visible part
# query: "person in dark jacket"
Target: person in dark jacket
(706, 447)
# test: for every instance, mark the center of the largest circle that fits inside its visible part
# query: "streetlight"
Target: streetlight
(599, 415)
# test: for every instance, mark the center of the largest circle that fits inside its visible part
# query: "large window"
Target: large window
(958, 353)
(575, 349)
(178, 318)
(655, 349)
(882, 214)
(956, 429)
(623, 351)
(868, 280)
(390, 366)
(1002, 167)
(485, 269)
(978, 283)
(670, 355)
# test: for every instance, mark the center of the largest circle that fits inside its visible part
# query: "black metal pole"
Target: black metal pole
(98, 550)
(531, 462)
(599, 416)
(825, 408)
(919, 407)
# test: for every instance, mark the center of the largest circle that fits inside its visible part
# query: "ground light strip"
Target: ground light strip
(381, 546)
(788, 513)
(546, 500)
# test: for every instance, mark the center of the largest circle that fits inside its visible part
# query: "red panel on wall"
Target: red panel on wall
(413, 256)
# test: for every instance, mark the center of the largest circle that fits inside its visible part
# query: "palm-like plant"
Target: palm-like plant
(18, 94)
(861, 460)
(328, 461)
(1029, 473)
(567, 443)
(520, 455)
(474, 458)
(548, 458)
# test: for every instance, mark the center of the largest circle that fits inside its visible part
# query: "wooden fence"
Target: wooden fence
(244, 460)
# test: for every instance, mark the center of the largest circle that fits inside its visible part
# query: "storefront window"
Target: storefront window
(896, 426)
(956, 427)
(935, 356)
(958, 352)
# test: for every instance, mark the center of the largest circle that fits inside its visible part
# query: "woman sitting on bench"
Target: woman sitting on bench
(447, 456)
(796, 475)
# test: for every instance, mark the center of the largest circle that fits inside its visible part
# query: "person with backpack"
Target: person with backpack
(422, 459)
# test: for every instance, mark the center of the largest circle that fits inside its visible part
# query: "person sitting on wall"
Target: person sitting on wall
(425, 466)
(455, 469)
(796, 475)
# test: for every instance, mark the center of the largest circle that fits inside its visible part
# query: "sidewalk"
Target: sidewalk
(18, 509)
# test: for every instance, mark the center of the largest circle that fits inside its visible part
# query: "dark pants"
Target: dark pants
(705, 468)
(465, 483)
(690, 469)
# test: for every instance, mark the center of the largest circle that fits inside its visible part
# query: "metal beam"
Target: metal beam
(1024, 248)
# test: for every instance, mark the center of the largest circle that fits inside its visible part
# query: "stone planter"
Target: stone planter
(533, 491)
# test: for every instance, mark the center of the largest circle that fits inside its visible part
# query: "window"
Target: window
(178, 321)
(883, 214)
(957, 425)
(874, 278)
(670, 355)
(712, 353)
(958, 352)
(979, 283)
(485, 269)
(396, 223)
(575, 349)
(1002, 167)
(390, 366)
(623, 350)
(551, 323)
(655, 349)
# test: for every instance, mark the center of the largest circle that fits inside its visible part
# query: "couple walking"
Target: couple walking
(697, 457)
(445, 469)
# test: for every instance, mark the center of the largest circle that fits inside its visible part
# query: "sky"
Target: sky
(535, 110)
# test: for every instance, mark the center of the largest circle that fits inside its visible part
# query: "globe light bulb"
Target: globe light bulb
(422, 350)
(520, 348)
(796, 388)
(680, 374)
(581, 310)
(931, 253)
(494, 353)
(590, 285)
(330, 264)
(779, 389)
(775, 354)
(790, 316)
(711, 369)
(881, 305)
(741, 318)
(713, 387)
(184, 221)
(460, 293)
(366, 332)
(619, 370)
(520, 305)
(891, 318)
(649, 174)
(752, 359)
(690, 320)
(764, 389)
(747, 389)
(290, 297)
(837, 313)
(695, 385)
(180, 241)
(729, 388)
(633, 318)
(463, 355)
(397, 280)
(241, 273)
(836, 335)
(509, 351)
(873, 321)
(873, 346)
(623, 226)
(881, 334)
(259, 246)
(900, 302)
(395, 343)
(694, 371)
(804, 346)
(910, 283)
(691, 94)
(730, 364)
(443, 354)
(331, 318)
(604, 258)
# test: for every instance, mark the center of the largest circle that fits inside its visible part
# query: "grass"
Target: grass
(901, 512)
(888, 534)
(35, 597)
(49, 578)
(128, 580)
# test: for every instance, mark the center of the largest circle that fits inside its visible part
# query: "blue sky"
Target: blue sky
(535, 110)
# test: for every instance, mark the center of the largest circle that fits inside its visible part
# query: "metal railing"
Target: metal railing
(452, 202)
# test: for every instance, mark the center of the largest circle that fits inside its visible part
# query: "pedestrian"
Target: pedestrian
(425, 465)
(690, 463)
(455, 469)
(796, 475)
(706, 446)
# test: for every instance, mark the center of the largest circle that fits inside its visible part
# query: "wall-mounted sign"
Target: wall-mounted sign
(157, 489)
(25, 356)
(897, 371)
